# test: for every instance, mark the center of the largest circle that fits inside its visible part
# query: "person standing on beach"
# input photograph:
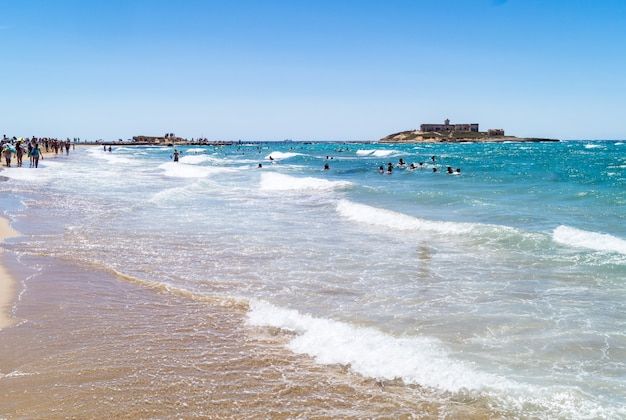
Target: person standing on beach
(30, 149)
(19, 153)
(35, 154)
(7, 155)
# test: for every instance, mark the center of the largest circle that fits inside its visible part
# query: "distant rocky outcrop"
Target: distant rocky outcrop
(416, 136)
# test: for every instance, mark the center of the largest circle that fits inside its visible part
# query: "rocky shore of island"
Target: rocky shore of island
(417, 136)
(456, 133)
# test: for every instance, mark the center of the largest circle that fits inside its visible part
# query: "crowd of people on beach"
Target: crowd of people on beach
(32, 148)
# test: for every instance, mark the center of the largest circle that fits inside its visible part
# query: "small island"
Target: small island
(170, 140)
(455, 133)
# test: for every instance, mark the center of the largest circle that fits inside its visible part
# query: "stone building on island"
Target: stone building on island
(495, 132)
(169, 138)
(446, 127)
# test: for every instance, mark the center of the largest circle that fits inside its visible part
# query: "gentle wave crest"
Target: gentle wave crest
(281, 155)
(271, 181)
(387, 218)
(197, 150)
(192, 159)
(112, 158)
(422, 361)
(181, 170)
(594, 146)
(416, 360)
(376, 153)
(570, 236)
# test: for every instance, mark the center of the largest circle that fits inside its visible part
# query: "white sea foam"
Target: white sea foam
(271, 181)
(415, 360)
(194, 159)
(182, 170)
(281, 155)
(375, 152)
(112, 158)
(590, 240)
(374, 216)
(423, 361)
(25, 173)
(195, 151)
(594, 146)
(16, 374)
(178, 194)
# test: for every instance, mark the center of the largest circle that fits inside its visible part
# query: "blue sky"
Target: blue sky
(311, 70)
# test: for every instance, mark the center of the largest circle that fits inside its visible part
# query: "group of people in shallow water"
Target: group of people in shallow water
(412, 167)
(390, 166)
(31, 148)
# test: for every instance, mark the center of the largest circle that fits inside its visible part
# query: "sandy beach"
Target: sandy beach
(7, 284)
(95, 345)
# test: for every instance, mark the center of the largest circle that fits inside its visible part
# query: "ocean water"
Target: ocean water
(497, 292)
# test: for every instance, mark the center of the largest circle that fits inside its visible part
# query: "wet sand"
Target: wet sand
(7, 283)
(92, 344)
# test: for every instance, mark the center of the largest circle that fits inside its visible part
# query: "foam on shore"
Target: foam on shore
(7, 283)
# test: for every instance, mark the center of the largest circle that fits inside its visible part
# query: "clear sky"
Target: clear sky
(311, 69)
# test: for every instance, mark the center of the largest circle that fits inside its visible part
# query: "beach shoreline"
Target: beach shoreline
(146, 288)
(85, 338)
(7, 282)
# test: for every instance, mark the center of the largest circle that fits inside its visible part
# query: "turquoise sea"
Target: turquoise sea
(500, 289)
